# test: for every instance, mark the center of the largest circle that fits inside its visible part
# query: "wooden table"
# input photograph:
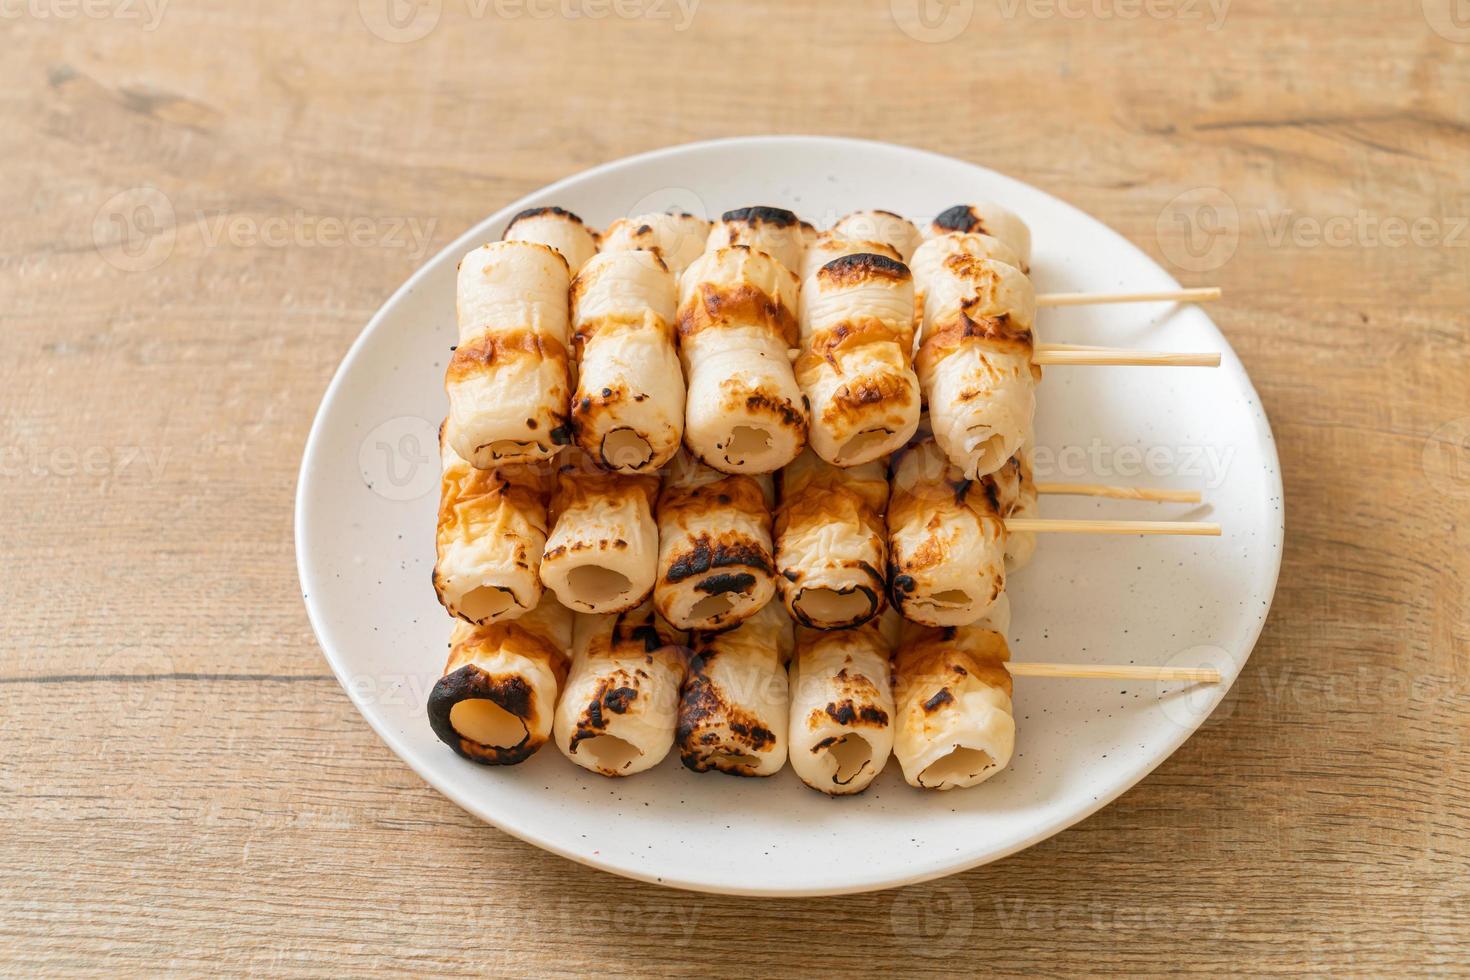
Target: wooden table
(184, 786)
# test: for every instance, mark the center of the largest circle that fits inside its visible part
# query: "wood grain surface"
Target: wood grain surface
(203, 202)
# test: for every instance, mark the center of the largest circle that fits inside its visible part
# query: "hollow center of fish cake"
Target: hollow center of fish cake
(609, 752)
(487, 723)
(732, 760)
(852, 753)
(746, 440)
(951, 597)
(958, 766)
(989, 450)
(831, 606)
(624, 448)
(593, 584)
(857, 449)
(481, 603)
(711, 606)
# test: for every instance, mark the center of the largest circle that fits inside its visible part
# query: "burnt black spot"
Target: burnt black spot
(537, 212)
(618, 700)
(648, 635)
(846, 713)
(829, 740)
(790, 575)
(471, 683)
(759, 214)
(531, 424)
(561, 435)
(726, 582)
(904, 583)
(607, 393)
(939, 700)
(959, 218)
(705, 556)
(865, 262)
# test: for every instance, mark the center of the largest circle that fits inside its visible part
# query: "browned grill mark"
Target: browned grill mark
(714, 306)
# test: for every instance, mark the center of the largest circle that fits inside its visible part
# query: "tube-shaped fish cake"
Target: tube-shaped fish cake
(628, 408)
(974, 364)
(842, 706)
(733, 714)
(930, 258)
(555, 228)
(677, 238)
(954, 725)
(490, 535)
(507, 381)
(495, 703)
(715, 566)
(831, 544)
(737, 321)
(620, 703)
(946, 540)
(777, 232)
(894, 230)
(1015, 496)
(602, 555)
(985, 218)
(827, 246)
(855, 367)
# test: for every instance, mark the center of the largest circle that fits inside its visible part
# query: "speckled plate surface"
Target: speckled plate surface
(368, 493)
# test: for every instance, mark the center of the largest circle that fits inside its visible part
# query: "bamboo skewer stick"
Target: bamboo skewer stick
(1065, 526)
(1120, 493)
(1077, 355)
(1199, 295)
(1116, 672)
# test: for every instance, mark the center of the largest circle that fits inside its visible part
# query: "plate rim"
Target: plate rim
(449, 788)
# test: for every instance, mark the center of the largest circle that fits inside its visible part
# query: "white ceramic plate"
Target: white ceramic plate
(366, 507)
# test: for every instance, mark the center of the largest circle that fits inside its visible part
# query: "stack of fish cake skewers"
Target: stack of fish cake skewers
(741, 489)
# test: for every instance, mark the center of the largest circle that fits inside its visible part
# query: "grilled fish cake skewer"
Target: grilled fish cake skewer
(489, 538)
(831, 543)
(628, 408)
(495, 702)
(946, 540)
(507, 380)
(954, 725)
(855, 368)
(602, 554)
(620, 703)
(715, 561)
(733, 712)
(842, 706)
(737, 321)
